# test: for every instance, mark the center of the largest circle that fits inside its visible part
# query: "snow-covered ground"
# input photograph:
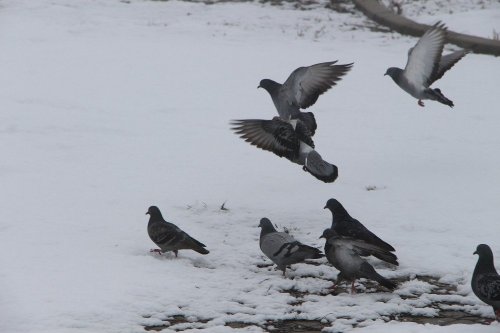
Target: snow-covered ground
(109, 107)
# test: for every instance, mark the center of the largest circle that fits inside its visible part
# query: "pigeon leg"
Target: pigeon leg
(284, 270)
(156, 251)
(353, 290)
(497, 314)
(175, 252)
(421, 103)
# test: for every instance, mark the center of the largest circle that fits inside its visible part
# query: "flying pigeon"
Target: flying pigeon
(485, 279)
(344, 254)
(168, 236)
(286, 138)
(302, 89)
(283, 249)
(345, 225)
(426, 65)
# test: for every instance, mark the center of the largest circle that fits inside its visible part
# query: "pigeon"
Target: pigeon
(426, 65)
(485, 279)
(283, 249)
(168, 236)
(286, 138)
(345, 225)
(302, 89)
(344, 254)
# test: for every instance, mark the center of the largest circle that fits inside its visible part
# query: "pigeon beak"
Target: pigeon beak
(259, 86)
(325, 207)
(321, 237)
(385, 74)
(147, 213)
(475, 252)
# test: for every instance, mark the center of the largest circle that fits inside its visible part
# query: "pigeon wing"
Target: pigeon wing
(165, 233)
(363, 248)
(275, 135)
(489, 286)
(424, 57)
(304, 134)
(306, 84)
(447, 62)
(355, 229)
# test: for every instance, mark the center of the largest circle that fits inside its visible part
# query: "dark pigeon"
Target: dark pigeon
(345, 225)
(344, 253)
(290, 139)
(283, 249)
(168, 236)
(485, 279)
(302, 89)
(426, 65)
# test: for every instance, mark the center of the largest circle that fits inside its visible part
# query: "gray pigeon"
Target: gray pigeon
(302, 89)
(283, 249)
(485, 279)
(344, 254)
(425, 66)
(286, 138)
(345, 225)
(168, 236)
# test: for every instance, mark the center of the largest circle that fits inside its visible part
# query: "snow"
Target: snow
(112, 106)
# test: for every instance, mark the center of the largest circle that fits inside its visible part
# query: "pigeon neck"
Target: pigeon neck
(156, 217)
(267, 229)
(270, 86)
(340, 215)
(485, 264)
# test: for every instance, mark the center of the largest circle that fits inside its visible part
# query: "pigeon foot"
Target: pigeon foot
(353, 290)
(156, 251)
(421, 103)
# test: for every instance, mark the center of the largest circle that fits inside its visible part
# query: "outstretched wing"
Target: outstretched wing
(274, 135)
(305, 84)
(447, 62)
(424, 57)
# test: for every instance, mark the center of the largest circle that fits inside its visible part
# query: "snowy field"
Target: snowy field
(109, 107)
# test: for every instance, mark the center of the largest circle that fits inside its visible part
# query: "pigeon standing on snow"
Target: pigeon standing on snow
(485, 279)
(286, 138)
(168, 236)
(302, 89)
(282, 248)
(425, 66)
(344, 254)
(345, 225)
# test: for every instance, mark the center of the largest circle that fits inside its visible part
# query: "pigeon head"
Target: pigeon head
(334, 205)
(394, 73)
(266, 225)
(338, 211)
(328, 233)
(483, 250)
(270, 86)
(154, 212)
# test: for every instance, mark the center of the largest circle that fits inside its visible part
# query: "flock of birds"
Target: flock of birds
(289, 135)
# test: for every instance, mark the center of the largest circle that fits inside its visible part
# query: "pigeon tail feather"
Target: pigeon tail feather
(320, 169)
(369, 272)
(436, 92)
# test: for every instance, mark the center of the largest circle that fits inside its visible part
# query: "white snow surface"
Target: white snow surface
(109, 107)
